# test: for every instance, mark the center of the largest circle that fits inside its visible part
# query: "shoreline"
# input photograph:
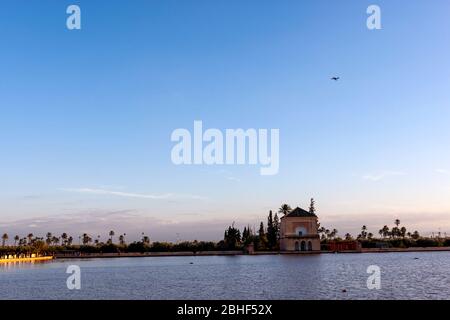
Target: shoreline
(240, 253)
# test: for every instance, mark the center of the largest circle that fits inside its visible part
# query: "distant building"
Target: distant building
(298, 231)
(342, 246)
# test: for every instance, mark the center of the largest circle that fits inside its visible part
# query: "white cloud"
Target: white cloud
(382, 175)
(134, 195)
(443, 171)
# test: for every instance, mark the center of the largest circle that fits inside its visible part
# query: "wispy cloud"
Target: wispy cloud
(443, 171)
(382, 175)
(129, 221)
(135, 195)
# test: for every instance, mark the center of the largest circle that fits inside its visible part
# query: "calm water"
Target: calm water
(235, 277)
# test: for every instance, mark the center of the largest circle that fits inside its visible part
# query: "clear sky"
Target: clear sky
(86, 115)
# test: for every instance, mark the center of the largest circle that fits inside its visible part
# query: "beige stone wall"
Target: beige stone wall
(288, 225)
(289, 237)
(288, 244)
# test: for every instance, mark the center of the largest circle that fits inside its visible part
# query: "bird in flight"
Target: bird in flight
(335, 78)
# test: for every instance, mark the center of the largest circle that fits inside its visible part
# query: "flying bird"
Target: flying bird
(335, 78)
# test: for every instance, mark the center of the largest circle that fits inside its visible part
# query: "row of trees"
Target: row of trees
(385, 233)
(65, 240)
(267, 237)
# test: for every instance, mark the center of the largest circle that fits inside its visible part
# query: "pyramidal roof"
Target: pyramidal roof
(299, 212)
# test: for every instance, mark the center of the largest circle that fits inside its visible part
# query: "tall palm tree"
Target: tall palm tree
(385, 231)
(364, 232)
(30, 238)
(4, 238)
(64, 239)
(49, 239)
(334, 233)
(16, 238)
(403, 232)
(285, 209)
(111, 235)
(397, 222)
(85, 238)
(55, 240)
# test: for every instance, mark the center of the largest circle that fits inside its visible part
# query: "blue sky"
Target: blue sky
(86, 115)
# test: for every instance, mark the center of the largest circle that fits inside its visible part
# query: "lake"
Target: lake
(421, 275)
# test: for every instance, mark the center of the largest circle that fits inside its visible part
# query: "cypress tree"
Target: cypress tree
(271, 231)
(276, 225)
(312, 208)
(262, 237)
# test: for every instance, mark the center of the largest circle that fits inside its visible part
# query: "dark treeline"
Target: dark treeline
(52, 244)
(395, 237)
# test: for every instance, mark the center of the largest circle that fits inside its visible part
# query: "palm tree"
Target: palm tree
(4, 238)
(364, 232)
(121, 240)
(86, 238)
(111, 234)
(49, 238)
(55, 240)
(348, 237)
(16, 238)
(403, 232)
(385, 231)
(69, 241)
(64, 238)
(333, 233)
(30, 238)
(321, 232)
(285, 209)
(397, 222)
